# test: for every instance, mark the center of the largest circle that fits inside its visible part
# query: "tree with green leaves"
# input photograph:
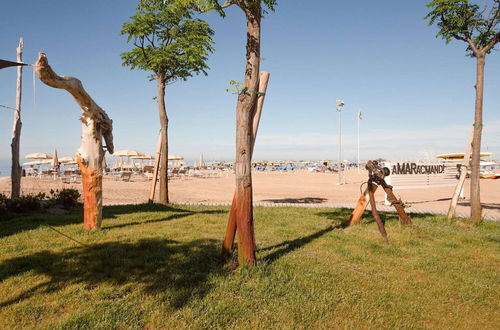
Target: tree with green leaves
(479, 29)
(172, 45)
(241, 215)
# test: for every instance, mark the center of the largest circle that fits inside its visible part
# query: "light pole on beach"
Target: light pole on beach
(340, 105)
(359, 120)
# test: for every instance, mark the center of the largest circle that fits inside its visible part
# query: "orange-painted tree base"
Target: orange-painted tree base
(227, 246)
(240, 221)
(92, 196)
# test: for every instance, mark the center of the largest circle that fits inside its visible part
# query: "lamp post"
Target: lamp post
(340, 105)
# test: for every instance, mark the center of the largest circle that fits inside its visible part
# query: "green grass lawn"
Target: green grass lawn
(159, 267)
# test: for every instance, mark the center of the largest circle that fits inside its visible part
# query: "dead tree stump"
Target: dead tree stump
(95, 125)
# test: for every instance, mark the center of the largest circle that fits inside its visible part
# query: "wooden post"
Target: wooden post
(376, 216)
(15, 174)
(361, 206)
(227, 246)
(403, 217)
(461, 179)
(155, 171)
(95, 125)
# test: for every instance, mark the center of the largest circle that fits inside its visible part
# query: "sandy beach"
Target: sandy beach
(299, 187)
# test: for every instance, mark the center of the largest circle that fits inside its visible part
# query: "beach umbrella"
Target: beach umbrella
(6, 64)
(127, 153)
(38, 155)
(33, 162)
(175, 157)
(141, 158)
(55, 160)
(67, 159)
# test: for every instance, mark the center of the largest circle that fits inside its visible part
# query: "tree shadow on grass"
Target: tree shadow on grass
(340, 215)
(303, 200)
(178, 213)
(25, 222)
(292, 245)
(174, 271)
(343, 215)
(112, 211)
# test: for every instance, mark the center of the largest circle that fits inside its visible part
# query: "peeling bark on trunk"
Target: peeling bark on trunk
(164, 142)
(95, 125)
(475, 197)
(15, 174)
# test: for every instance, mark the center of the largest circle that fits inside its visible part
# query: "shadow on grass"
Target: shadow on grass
(343, 215)
(24, 222)
(340, 215)
(304, 200)
(178, 213)
(292, 245)
(176, 272)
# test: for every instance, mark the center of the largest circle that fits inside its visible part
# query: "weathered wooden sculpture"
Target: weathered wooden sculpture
(376, 177)
(95, 125)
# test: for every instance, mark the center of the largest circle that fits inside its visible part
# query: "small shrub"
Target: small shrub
(67, 198)
(3, 204)
(25, 203)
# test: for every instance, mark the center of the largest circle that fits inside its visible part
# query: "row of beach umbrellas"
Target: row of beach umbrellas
(43, 158)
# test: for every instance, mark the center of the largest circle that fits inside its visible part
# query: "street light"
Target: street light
(340, 105)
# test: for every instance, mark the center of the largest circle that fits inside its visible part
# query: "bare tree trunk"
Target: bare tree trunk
(475, 197)
(15, 174)
(231, 222)
(164, 142)
(95, 125)
(155, 170)
(244, 123)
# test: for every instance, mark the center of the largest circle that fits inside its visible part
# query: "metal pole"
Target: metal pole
(340, 145)
(358, 139)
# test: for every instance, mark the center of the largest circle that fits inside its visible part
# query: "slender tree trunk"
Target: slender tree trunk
(244, 125)
(164, 142)
(95, 125)
(227, 246)
(15, 174)
(475, 197)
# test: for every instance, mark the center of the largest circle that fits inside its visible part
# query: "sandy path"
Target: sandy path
(297, 187)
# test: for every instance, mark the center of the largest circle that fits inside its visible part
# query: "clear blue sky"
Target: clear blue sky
(416, 93)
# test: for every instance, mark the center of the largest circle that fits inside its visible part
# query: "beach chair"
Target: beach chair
(125, 176)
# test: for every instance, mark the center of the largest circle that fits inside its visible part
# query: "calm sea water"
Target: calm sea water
(4, 168)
